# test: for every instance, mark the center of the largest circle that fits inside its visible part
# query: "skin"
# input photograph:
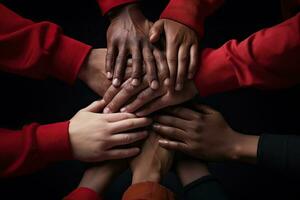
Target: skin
(152, 163)
(144, 99)
(95, 137)
(93, 73)
(181, 49)
(98, 178)
(127, 35)
(203, 133)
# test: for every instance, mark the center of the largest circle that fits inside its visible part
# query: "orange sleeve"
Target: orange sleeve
(148, 191)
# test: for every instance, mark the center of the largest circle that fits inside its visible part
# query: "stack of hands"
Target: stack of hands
(148, 67)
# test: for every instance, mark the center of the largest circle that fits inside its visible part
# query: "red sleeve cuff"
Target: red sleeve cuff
(83, 194)
(148, 190)
(53, 141)
(192, 13)
(107, 5)
(68, 58)
(216, 73)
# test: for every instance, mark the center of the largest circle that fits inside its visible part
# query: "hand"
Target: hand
(92, 73)
(145, 100)
(127, 35)
(181, 49)
(152, 163)
(204, 134)
(99, 177)
(189, 170)
(95, 137)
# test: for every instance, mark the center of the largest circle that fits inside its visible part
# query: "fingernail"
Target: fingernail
(123, 109)
(162, 141)
(178, 87)
(154, 85)
(116, 82)
(135, 82)
(109, 75)
(155, 125)
(167, 82)
(106, 110)
(190, 76)
(139, 114)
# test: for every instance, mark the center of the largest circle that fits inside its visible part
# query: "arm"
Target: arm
(192, 13)
(147, 170)
(88, 137)
(38, 50)
(197, 181)
(268, 59)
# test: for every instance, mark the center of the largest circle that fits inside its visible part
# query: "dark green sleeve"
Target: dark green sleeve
(205, 188)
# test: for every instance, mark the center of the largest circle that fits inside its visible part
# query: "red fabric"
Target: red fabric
(33, 147)
(191, 12)
(148, 191)
(83, 194)
(36, 50)
(268, 59)
(107, 5)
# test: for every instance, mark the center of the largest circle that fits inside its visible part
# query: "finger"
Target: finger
(169, 132)
(120, 66)
(183, 59)
(113, 117)
(172, 58)
(184, 113)
(127, 138)
(142, 99)
(193, 61)
(157, 104)
(130, 124)
(172, 145)
(156, 30)
(96, 106)
(205, 109)
(137, 64)
(112, 91)
(110, 59)
(123, 96)
(150, 67)
(121, 153)
(171, 121)
(162, 66)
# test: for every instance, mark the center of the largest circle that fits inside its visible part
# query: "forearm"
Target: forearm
(33, 147)
(38, 50)
(257, 61)
(280, 154)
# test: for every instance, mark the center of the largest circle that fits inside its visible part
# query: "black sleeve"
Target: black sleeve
(205, 188)
(280, 153)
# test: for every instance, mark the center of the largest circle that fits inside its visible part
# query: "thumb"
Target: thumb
(96, 106)
(156, 30)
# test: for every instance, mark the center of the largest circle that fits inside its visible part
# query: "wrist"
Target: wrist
(121, 10)
(244, 148)
(95, 181)
(139, 177)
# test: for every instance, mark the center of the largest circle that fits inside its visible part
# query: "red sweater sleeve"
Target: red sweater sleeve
(83, 194)
(148, 191)
(38, 50)
(268, 59)
(33, 147)
(107, 5)
(191, 12)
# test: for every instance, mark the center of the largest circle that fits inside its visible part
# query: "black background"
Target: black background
(249, 111)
